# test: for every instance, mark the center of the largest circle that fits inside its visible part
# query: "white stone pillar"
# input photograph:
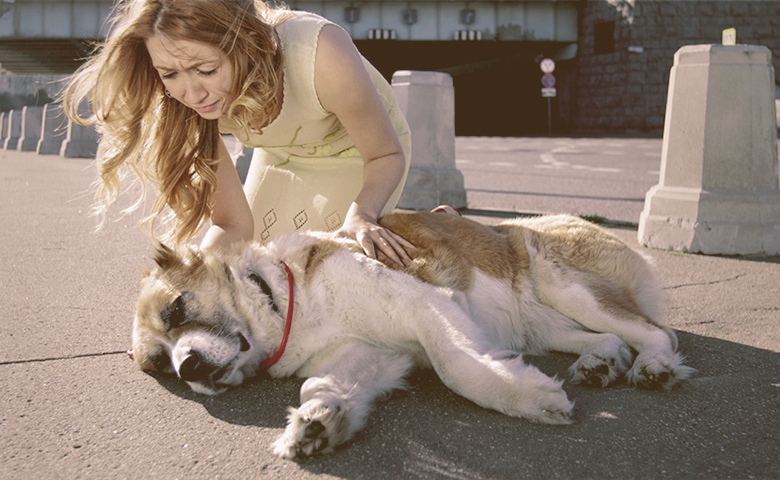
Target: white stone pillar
(427, 100)
(53, 128)
(14, 129)
(80, 141)
(31, 129)
(719, 190)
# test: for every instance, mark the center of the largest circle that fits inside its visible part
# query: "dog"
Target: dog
(472, 301)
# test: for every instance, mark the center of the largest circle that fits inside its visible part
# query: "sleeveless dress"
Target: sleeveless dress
(305, 171)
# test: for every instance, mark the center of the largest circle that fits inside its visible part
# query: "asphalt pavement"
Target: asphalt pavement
(72, 405)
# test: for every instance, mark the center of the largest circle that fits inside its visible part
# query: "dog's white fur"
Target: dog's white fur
(474, 300)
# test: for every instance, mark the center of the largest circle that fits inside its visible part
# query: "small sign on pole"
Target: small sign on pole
(547, 66)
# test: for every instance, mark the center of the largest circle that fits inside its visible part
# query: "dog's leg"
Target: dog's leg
(604, 357)
(336, 402)
(499, 380)
(657, 365)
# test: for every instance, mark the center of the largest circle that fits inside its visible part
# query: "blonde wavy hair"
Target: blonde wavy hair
(156, 137)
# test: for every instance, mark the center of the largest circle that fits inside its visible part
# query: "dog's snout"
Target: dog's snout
(194, 368)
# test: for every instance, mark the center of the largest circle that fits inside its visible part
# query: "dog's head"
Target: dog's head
(193, 320)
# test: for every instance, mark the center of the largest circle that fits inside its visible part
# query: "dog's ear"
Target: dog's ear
(194, 258)
(166, 258)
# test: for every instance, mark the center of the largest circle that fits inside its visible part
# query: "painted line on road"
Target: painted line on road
(550, 161)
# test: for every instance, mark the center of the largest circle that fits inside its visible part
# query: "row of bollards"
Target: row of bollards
(47, 131)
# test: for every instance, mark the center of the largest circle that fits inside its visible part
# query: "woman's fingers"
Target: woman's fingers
(392, 245)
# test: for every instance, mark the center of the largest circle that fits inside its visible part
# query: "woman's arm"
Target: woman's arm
(231, 219)
(345, 89)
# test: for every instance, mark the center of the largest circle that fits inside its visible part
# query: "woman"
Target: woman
(331, 147)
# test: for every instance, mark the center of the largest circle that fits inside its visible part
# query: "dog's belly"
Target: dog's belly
(497, 309)
(511, 315)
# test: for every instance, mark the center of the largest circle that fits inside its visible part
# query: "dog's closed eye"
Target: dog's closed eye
(175, 314)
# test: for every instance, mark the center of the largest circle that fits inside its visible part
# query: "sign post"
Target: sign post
(548, 88)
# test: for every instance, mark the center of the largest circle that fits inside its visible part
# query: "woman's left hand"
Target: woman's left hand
(372, 237)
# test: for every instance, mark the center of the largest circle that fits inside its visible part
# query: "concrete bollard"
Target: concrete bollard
(427, 100)
(53, 128)
(14, 130)
(31, 129)
(719, 190)
(80, 141)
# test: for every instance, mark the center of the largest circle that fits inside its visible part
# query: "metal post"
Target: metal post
(549, 117)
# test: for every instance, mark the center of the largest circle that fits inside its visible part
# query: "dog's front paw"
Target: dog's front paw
(600, 370)
(544, 402)
(658, 371)
(312, 429)
(553, 409)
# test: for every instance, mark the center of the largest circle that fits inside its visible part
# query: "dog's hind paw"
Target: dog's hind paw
(656, 371)
(313, 429)
(600, 371)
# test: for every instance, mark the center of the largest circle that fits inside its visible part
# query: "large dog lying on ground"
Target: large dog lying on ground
(474, 299)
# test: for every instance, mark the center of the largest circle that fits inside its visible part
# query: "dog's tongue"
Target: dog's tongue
(130, 354)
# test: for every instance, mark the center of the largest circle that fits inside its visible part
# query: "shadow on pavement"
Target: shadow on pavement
(721, 423)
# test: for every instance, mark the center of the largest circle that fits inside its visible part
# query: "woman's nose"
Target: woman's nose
(194, 92)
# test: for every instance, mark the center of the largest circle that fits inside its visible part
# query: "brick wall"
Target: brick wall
(623, 91)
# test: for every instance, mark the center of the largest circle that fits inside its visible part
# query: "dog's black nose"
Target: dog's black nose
(193, 368)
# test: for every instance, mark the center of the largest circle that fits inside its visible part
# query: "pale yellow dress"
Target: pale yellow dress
(306, 171)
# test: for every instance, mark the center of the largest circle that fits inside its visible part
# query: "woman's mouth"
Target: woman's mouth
(207, 108)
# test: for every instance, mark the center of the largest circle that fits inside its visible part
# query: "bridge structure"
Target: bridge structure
(491, 48)
(49, 36)
(54, 36)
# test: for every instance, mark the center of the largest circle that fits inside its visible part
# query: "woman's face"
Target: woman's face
(195, 74)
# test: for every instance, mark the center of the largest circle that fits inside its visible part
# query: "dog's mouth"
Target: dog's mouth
(209, 387)
(213, 366)
(212, 384)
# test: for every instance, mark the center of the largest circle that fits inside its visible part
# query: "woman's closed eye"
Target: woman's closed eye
(204, 73)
